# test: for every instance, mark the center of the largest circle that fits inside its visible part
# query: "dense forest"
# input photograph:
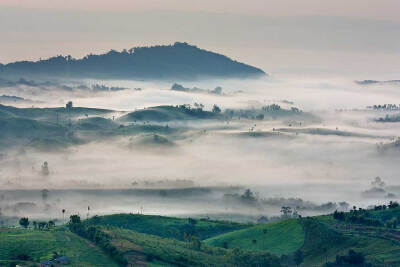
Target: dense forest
(178, 61)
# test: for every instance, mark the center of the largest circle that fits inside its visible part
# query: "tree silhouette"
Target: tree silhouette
(216, 109)
(24, 222)
(298, 257)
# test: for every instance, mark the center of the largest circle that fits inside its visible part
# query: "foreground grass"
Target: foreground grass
(40, 245)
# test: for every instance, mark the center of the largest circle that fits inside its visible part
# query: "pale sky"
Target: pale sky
(295, 36)
(373, 9)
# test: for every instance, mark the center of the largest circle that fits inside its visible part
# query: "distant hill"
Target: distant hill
(374, 82)
(178, 61)
(169, 113)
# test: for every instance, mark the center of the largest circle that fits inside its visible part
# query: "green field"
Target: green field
(278, 238)
(168, 227)
(40, 245)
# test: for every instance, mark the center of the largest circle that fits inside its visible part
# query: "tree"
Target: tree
(298, 257)
(192, 221)
(45, 169)
(45, 194)
(69, 105)
(24, 222)
(196, 244)
(260, 117)
(248, 197)
(217, 90)
(287, 211)
(74, 219)
(42, 225)
(216, 109)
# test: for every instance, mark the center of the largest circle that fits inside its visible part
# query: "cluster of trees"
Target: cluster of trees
(288, 212)
(360, 216)
(248, 258)
(363, 216)
(165, 183)
(260, 113)
(177, 87)
(388, 118)
(197, 109)
(96, 235)
(24, 222)
(386, 107)
(392, 205)
(272, 107)
(104, 88)
(351, 259)
(301, 205)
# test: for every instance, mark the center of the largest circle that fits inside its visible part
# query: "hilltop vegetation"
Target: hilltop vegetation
(169, 113)
(178, 61)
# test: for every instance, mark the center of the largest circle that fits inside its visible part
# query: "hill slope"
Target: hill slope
(168, 113)
(36, 246)
(322, 238)
(178, 61)
(167, 227)
(278, 238)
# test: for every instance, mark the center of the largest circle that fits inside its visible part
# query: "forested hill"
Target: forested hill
(178, 61)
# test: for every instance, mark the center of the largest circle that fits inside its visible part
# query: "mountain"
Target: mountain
(178, 61)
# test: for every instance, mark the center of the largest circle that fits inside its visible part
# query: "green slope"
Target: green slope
(40, 245)
(320, 239)
(167, 227)
(168, 113)
(138, 248)
(278, 238)
(50, 114)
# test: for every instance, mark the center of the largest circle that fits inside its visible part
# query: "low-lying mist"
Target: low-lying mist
(327, 154)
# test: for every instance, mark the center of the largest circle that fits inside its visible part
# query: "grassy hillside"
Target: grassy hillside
(40, 245)
(167, 227)
(322, 238)
(143, 240)
(50, 114)
(131, 248)
(96, 123)
(326, 238)
(278, 238)
(137, 246)
(57, 128)
(168, 113)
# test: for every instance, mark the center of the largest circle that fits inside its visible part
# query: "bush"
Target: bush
(351, 259)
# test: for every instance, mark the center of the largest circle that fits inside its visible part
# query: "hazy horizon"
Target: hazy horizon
(360, 41)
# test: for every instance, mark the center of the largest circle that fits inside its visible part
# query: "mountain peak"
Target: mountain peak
(178, 61)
